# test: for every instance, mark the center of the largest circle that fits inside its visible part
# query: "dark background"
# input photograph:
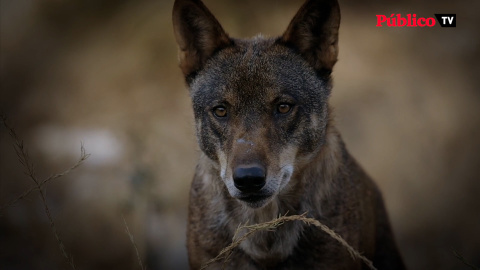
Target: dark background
(105, 73)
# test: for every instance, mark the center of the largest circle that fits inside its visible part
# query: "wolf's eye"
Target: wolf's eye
(284, 108)
(220, 111)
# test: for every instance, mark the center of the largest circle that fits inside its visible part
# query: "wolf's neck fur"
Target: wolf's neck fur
(310, 184)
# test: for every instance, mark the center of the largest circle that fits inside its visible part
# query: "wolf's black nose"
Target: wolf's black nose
(249, 179)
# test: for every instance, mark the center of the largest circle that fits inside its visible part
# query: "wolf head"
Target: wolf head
(260, 105)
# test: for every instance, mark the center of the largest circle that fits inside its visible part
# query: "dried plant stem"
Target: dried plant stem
(272, 225)
(83, 157)
(29, 167)
(462, 259)
(133, 243)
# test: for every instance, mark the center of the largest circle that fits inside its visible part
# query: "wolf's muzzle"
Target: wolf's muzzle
(249, 178)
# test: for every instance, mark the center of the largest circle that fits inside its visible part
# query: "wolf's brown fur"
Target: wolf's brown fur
(270, 147)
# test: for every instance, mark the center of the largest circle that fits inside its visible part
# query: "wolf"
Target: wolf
(269, 147)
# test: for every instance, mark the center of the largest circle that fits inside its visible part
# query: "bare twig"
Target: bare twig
(83, 157)
(133, 243)
(462, 259)
(29, 167)
(272, 225)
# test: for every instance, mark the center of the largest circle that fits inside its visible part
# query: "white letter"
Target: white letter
(444, 19)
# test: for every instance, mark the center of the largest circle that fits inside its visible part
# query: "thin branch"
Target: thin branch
(83, 157)
(29, 167)
(133, 243)
(462, 259)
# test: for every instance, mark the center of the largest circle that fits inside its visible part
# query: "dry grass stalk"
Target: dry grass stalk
(133, 243)
(272, 225)
(464, 261)
(23, 157)
(83, 157)
(29, 167)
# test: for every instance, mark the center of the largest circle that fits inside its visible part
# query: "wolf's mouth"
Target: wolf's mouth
(255, 200)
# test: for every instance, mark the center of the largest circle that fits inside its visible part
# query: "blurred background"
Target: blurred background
(105, 73)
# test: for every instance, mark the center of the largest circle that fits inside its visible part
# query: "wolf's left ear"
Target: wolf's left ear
(313, 32)
(199, 35)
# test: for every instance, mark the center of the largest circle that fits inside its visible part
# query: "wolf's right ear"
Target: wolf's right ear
(313, 32)
(199, 35)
